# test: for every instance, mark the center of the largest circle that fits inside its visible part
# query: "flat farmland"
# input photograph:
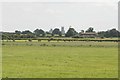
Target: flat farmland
(60, 59)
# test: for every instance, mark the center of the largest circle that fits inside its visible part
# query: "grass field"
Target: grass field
(60, 59)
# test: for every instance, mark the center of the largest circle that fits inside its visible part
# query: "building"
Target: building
(88, 35)
(62, 31)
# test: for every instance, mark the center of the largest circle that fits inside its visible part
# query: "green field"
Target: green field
(60, 59)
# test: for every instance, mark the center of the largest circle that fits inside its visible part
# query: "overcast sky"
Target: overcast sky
(46, 15)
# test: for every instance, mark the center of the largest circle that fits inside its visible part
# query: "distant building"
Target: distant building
(62, 31)
(88, 34)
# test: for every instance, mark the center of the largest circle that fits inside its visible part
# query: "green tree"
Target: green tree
(71, 32)
(114, 33)
(42, 33)
(56, 31)
(36, 32)
(82, 31)
(90, 29)
(26, 32)
(109, 33)
(17, 32)
(39, 32)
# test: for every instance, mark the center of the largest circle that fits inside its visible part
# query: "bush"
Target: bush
(30, 40)
(39, 40)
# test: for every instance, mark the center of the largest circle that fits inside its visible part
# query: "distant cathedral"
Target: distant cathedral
(62, 30)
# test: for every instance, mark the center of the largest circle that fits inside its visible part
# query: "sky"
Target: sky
(100, 14)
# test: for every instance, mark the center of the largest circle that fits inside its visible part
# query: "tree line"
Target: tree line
(71, 32)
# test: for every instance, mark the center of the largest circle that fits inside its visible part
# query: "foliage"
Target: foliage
(109, 33)
(71, 32)
(56, 31)
(90, 29)
(39, 32)
(17, 32)
(26, 32)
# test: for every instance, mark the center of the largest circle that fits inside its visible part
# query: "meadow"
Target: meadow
(34, 59)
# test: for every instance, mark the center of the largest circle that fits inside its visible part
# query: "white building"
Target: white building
(62, 31)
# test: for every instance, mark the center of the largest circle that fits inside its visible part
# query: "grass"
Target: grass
(64, 60)
(72, 44)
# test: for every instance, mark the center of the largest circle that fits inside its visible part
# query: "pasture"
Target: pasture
(59, 59)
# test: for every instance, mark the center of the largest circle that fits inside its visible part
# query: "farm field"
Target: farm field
(59, 59)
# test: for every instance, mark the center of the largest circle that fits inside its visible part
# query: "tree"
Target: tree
(82, 31)
(109, 33)
(101, 34)
(36, 32)
(48, 33)
(114, 33)
(5, 36)
(56, 31)
(26, 32)
(42, 33)
(90, 29)
(39, 32)
(60, 34)
(17, 32)
(71, 32)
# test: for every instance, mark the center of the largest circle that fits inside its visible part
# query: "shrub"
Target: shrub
(30, 40)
